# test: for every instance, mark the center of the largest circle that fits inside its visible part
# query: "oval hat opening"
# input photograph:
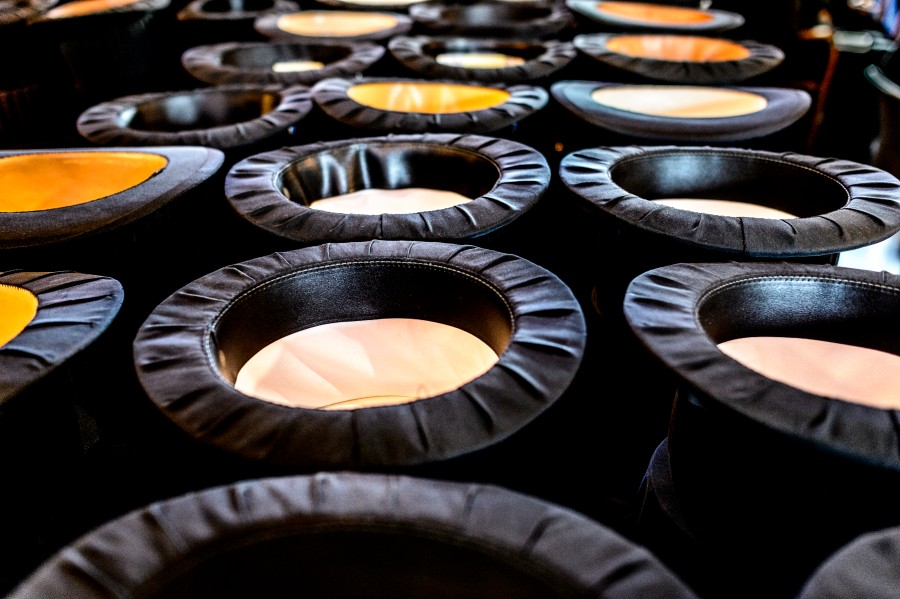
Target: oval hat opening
(351, 535)
(286, 63)
(681, 58)
(431, 186)
(678, 113)
(410, 105)
(222, 117)
(345, 25)
(461, 296)
(483, 19)
(477, 59)
(655, 17)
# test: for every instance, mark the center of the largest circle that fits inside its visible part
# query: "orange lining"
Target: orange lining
(428, 98)
(19, 307)
(654, 13)
(677, 48)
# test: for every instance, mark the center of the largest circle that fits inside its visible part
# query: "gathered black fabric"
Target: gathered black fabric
(268, 26)
(331, 96)
(499, 19)
(681, 312)
(73, 310)
(353, 535)
(187, 167)
(250, 62)
(503, 178)
(783, 108)
(868, 567)
(720, 20)
(763, 58)
(226, 116)
(194, 343)
(840, 205)
(542, 58)
(229, 10)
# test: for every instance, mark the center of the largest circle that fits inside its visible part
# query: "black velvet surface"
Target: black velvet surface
(542, 58)
(763, 58)
(868, 567)
(503, 178)
(224, 117)
(195, 341)
(840, 204)
(268, 26)
(73, 310)
(399, 536)
(784, 107)
(187, 167)
(251, 63)
(721, 20)
(499, 19)
(331, 96)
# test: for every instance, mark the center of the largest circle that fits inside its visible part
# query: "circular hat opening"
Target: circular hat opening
(680, 101)
(225, 116)
(426, 306)
(473, 58)
(683, 113)
(677, 47)
(286, 63)
(47, 181)
(355, 536)
(85, 7)
(200, 110)
(436, 186)
(838, 205)
(19, 307)
(426, 97)
(681, 58)
(335, 23)
(659, 17)
(492, 18)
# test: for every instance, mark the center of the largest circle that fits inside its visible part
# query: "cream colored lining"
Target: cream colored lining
(85, 7)
(724, 208)
(677, 48)
(479, 60)
(348, 365)
(680, 101)
(850, 373)
(428, 98)
(390, 201)
(654, 13)
(49, 180)
(335, 23)
(297, 66)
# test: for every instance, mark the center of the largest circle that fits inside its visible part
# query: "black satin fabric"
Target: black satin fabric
(542, 58)
(73, 310)
(226, 315)
(721, 20)
(331, 96)
(841, 205)
(784, 107)
(763, 58)
(228, 10)
(499, 19)
(229, 116)
(268, 26)
(681, 312)
(868, 567)
(504, 179)
(187, 168)
(251, 63)
(399, 536)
